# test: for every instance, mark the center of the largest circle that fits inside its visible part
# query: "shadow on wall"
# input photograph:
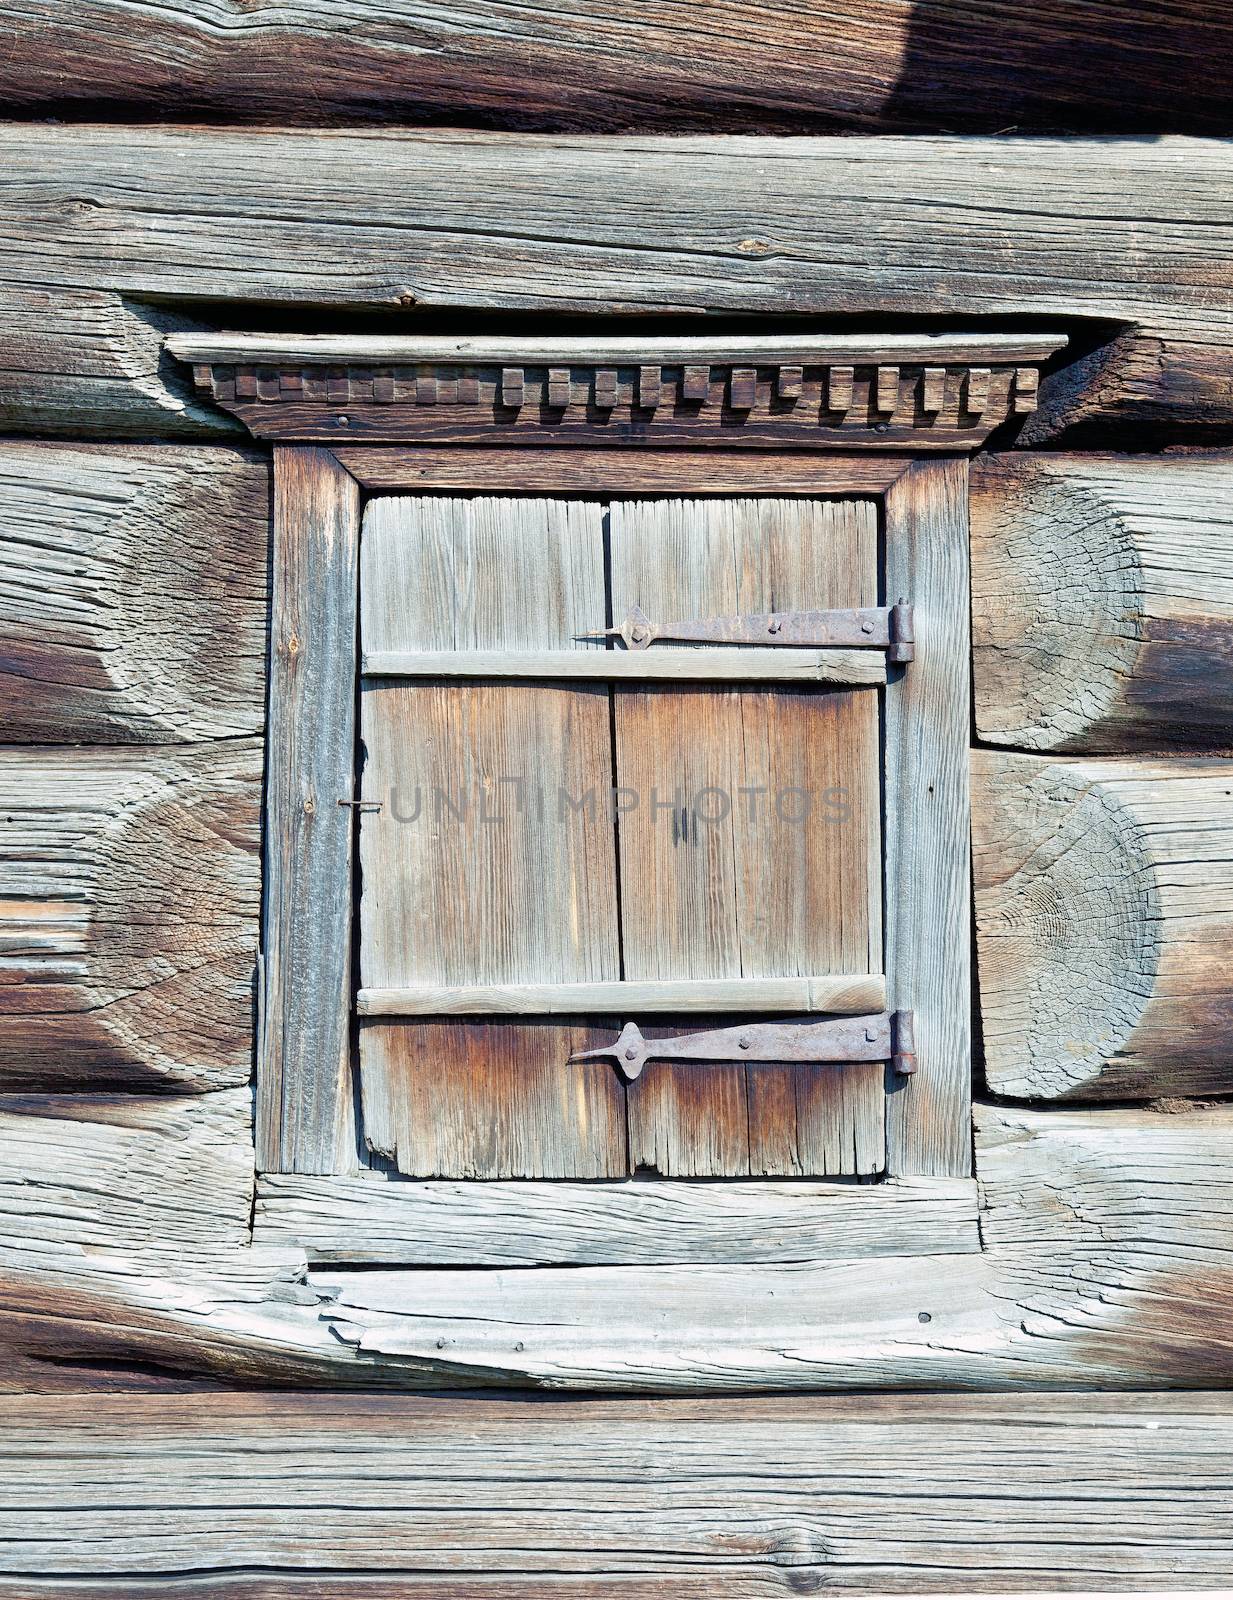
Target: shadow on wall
(1074, 66)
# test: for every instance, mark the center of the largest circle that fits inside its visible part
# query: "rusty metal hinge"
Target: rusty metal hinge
(888, 628)
(886, 1037)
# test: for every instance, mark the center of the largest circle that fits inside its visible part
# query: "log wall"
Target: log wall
(142, 1265)
(753, 66)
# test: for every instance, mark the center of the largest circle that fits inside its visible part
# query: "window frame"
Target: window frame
(305, 1117)
(306, 1092)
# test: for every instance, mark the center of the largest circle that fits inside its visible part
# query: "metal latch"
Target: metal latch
(886, 1037)
(888, 628)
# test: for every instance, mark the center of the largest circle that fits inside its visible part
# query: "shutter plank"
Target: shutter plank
(489, 883)
(749, 893)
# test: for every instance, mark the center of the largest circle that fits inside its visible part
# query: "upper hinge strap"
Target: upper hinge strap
(888, 628)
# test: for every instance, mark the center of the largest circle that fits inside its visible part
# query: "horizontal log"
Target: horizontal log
(1104, 918)
(1107, 1249)
(87, 361)
(130, 887)
(123, 1173)
(134, 585)
(879, 65)
(1107, 1239)
(750, 1499)
(1102, 601)
(370, 1219)
(1112, 1230)
(849, 993)
(1064, 235)
(727, 665)
(308, 1585)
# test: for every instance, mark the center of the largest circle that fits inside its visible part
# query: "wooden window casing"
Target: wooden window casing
(306, 1110)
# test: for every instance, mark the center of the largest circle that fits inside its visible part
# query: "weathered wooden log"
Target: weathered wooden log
(129, 916)
(751, 1499)
(795, 68)
(96, 364)
(1104, 916)
(1113, 235)
(124, 1173)
(1107, 1239)
(368, 1218)
(134, 584)
(1102, 601)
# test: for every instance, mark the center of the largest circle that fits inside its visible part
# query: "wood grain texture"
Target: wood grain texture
(464, 1498)
(130, 902)
(1131, 236)
(1102, 602)
(369, 1219)
(497, 871)
(1110, 1230)
(1106, 1254)
(750, 844)
(665, 664)
(492, 1100)
(928, 896)
(89, 361)
(87, 1174)
(850, 391)
(883, 65)
(846, 994)
(132, 593)
(615, 473)
(1106, 1234)
(513, 353)
(314, 1586)
(681, 1328)
(1104, 915)
(304, 1091)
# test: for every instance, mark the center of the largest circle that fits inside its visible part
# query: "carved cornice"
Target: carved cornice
(923, 393)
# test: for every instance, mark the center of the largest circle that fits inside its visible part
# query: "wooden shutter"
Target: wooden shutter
(477, 887)
(747, 841)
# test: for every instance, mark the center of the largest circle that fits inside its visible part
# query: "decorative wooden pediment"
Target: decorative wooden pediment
(919, 393)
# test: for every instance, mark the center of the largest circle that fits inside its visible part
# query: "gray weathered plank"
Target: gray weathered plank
(369, 1219)
(132, 593)
(274, 349)
(1104, 915)
(1102, 602)
(928, 898)
(750, 838)
(304, 1092)
(664, 663)
(129, 911)
(1133, 233)
(847, 993)
(467, 1498)
(479, 470)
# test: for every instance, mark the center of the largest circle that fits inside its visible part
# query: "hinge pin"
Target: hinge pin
(903, 1035)
(902, 645)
